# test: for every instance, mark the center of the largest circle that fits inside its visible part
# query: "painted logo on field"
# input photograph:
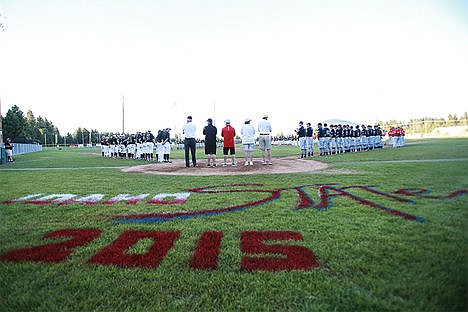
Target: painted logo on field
(364, 195)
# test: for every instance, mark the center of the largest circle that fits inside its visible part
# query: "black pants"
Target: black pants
(190, 144)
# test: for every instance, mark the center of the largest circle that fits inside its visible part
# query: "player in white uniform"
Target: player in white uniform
(166, 145)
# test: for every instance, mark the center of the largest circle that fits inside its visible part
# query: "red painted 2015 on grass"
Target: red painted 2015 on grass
(260, 254)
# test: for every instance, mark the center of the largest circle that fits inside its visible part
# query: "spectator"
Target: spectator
(9, 150)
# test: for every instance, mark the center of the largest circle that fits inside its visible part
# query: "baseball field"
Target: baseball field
(371, 231)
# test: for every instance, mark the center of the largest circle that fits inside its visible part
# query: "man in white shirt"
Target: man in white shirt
(248, 141)
(264, 140)
(189, 132)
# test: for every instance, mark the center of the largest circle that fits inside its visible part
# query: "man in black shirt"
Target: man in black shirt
(310, 140)
(9, 150)
(210, 132)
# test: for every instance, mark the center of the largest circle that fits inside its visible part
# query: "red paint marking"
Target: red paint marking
(206, 254)
(115, 253)
(296, 257)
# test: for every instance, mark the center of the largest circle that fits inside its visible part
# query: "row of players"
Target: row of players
(138, 146)
(397, 136)
(333, 139)
(338, 139)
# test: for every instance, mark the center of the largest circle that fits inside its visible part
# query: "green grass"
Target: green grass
(368, 259)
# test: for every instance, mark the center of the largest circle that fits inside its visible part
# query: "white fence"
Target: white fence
(20, 148)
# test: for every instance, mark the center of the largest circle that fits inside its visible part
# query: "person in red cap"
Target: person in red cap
(228, 133)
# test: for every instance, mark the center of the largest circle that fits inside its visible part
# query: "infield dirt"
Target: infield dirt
(290, 164)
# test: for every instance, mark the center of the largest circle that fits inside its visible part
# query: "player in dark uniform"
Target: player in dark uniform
(310, 140)
(149, 139)
(332, 139)
(357, 139)
(327, 139)
(166, 142)
(378, 137)
(363, 138)
(346, 139)
(159, 146)
(301, 133)
(370, 137)
(104, 146)
(321, 138)
(339, 139)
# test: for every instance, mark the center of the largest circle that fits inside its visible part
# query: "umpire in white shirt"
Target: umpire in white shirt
(264, 140)
(189, 132)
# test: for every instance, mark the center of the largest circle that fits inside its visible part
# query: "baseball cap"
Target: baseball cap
(227, 121)
(247, 119)
(265, 116)
(189, 117)
(209, 120)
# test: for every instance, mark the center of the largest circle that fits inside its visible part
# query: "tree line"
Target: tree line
(421, 126)
(21, 127)
(17, 125)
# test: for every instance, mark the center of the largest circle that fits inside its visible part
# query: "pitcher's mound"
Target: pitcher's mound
(290, 164)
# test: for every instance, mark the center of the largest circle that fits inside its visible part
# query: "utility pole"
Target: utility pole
(123, 114)
(175, 120)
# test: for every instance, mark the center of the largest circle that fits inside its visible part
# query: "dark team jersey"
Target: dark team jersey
(309, 132)
(333, 133)
(301, 132)
(159, 136)
(370, 132)
(165, 136)
(339, 132)
(149, 137)
(321, 132)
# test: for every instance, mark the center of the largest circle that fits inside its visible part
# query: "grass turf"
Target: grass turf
(368, 259)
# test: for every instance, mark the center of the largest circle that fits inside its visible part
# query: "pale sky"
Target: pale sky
(312, 60)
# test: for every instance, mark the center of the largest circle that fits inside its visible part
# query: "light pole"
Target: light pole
(123, 114)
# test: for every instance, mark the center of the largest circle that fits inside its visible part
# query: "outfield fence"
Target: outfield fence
(22, 148)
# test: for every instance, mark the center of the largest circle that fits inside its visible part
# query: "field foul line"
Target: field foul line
(43, 169)
(399, 161)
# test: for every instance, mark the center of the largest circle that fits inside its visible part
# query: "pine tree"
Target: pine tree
(14, 123)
